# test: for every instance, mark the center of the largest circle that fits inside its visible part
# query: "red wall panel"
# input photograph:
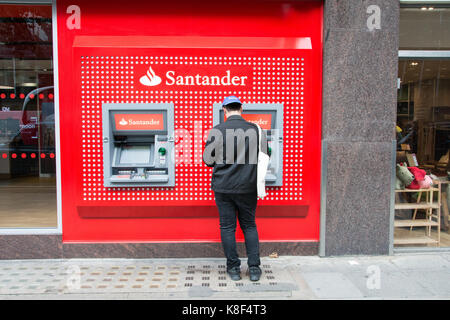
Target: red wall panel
(276, 45)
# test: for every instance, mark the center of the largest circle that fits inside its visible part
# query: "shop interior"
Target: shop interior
(422, 194)
(27, 121)
(423, 142)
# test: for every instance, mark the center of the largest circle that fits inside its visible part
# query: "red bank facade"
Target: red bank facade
(196, 54)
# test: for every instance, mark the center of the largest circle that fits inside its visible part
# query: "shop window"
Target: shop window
(425, 27)
(27, 118)
(423, 128)
(423, 142)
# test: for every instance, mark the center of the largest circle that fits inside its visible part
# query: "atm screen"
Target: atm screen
(135, 154)
(264, 119)
(139, 121)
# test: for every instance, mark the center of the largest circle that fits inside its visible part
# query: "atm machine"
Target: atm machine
(138, 145)
(270, 118)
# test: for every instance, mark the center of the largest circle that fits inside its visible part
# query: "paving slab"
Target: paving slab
(424, 262)
(437, 283)
(352, 265)
(331, 285)
(390, 286)
(445, 255)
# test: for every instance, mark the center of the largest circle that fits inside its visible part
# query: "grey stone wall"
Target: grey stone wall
(359, 113)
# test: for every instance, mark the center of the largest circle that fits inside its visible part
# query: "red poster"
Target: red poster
(139, 121)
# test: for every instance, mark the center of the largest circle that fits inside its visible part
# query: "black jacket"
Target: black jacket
(234, 171)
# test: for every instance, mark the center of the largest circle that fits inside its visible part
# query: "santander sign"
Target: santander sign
(172, 78)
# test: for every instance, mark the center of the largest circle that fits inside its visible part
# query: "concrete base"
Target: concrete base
(52, 247)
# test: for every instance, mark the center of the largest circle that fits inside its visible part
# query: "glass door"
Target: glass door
(27, 118)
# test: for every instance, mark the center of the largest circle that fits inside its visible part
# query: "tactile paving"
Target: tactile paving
(79, 276)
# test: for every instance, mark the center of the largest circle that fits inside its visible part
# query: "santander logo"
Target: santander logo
(150, 79)
(260, 122)
(263, 120)
(184, 77)
(123, 122)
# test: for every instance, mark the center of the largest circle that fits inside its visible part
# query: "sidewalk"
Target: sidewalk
(412, 276)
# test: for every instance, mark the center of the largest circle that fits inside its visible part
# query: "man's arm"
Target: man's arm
(214, 141)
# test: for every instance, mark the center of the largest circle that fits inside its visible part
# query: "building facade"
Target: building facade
(105, 108)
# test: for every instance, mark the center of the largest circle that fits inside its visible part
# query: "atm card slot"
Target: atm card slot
(139, 179)
(121, 178)
(157, 175)
(155, 172)
(157, 178)
(126, 172)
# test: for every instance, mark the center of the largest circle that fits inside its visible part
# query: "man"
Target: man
(232, 149)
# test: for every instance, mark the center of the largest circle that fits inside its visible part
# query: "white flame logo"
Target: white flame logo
(123, 122)
(150, 78)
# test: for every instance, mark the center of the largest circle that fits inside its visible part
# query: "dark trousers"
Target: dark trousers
(244, 205)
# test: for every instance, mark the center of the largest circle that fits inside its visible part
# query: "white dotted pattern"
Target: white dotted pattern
(111, 79)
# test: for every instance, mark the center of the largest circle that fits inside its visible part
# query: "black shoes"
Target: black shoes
(235, 273)
(255, 273)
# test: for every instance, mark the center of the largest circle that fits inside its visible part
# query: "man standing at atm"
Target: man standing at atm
(232, 150)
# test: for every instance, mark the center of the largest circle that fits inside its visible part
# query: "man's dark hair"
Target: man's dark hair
(234, 106)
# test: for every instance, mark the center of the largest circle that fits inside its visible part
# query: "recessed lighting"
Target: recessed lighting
(430, 8)
(29, 84)
(413, 64)
(6, 87)
(423, 8)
